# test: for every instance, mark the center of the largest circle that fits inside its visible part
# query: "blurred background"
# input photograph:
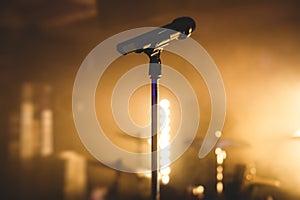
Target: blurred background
(255, 44)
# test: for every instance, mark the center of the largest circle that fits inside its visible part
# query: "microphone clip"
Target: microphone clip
(154, 63)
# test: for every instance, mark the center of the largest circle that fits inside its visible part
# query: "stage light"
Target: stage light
(219, 187)
(145, 174)
(165, 103)
(218, 150)
(165, 171)
(165, 154)
(164, 137)
(220, 159)
(164, 141)
(219, 169)
(219, 176)
(221, 156)
(165, 161)
(198, 191)
(224, 154)
(166, 129)
(163, 144)
(165, 179)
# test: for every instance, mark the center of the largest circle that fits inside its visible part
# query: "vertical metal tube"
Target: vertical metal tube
(154, 140)
(154, 73)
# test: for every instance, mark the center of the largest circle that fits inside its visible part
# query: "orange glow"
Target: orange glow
(199, 190)
(219, 176)
(165, 171)
(218, 151)
(164, 141)
(219, 187)
(219, 169)
(165, 179)
(220, 159)
(218, 134)
(297, 134)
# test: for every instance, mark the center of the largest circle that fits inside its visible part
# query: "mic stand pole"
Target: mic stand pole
(155, 74)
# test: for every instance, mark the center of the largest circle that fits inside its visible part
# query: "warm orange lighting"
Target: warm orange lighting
(224, 154)
(218, 134)
(164, 137)
(249, 177)
(165, 154)
(198, 191)
(28, 132)
(165, 171)
(297, 134)
(99, 193)
(221, 155)
(218, 151)
(145, 174)
(220, 159)
(46, 132)
(219, 187)
(164, 103)
(164, 141)
(219, 176)
(75, 176)
(165, 161)
(253, 170)
(219, 169)
(165, 179)
(166, 129)
(163, 144)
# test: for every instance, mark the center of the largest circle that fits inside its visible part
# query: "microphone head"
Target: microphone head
(178, 29)
(185, 25)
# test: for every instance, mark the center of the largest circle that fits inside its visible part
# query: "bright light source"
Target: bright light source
(164, 111)
(166, 129)
(165, 171)
(167, 111)
(297, 134)
(163, 144)
(219, 176)
(145, 174)
(164, 103)
(165, 179)
(218, 150)
(224, 154)
(164, 141)
(219, 187)
(198, 191)
(165, 162)
(165, 153)
(164, 120)
(218, 134)
(220, 159)
(219, 169)
(164, 137)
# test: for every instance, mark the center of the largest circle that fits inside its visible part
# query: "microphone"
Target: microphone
(178, 29)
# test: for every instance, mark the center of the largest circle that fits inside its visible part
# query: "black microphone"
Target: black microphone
(178, 29)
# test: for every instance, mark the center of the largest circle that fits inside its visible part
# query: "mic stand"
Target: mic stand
(155, 74)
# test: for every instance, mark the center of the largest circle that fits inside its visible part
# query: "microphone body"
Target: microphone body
(180, 28)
